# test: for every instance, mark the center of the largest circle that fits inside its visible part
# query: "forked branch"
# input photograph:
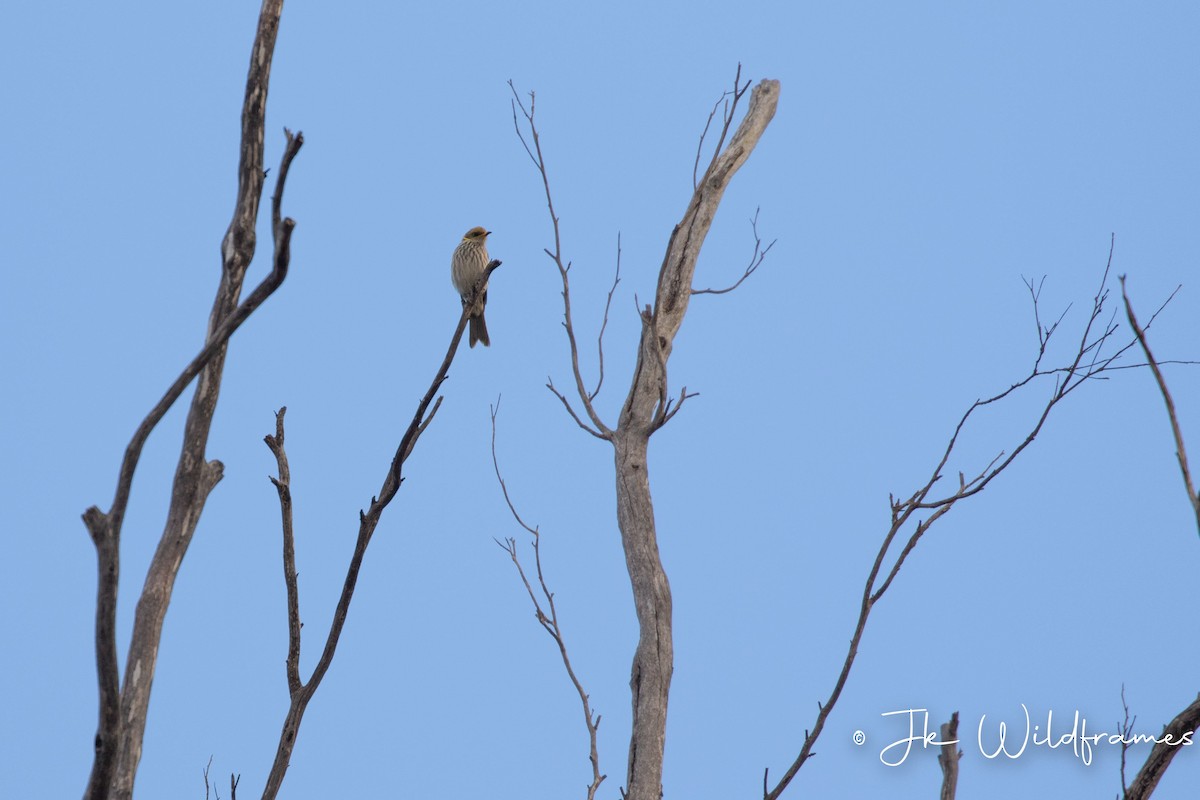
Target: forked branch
(597, 427)
(756, 259)
(547, 615)
(300, 692)
(1090, 362)
(123, 710)
(648, 406)
(729, 100)
(1125, 729)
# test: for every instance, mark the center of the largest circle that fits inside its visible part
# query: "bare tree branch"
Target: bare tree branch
(1088, 364)
(549, 622)
(1175, 733)
(283, 485)
(598, 427)
(123, 712)
(1068, 379)
(1184, 726)
(647, 408)
(604, 324)
(300, 693)
(723, 99)
(949, 757)
(736, 93)
(1180, 450)
(1126, 731)
(571, 410)
(1043, 332)
(756, 258)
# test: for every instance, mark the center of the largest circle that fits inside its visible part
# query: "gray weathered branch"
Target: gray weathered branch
(1175, 733)
(645, 410)
(300, 693)
(949, 757)
(549, 621)
(1172, 416)
(123, 712)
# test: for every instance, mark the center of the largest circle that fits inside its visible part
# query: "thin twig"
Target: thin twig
(549, 622)
(535, 154)
(1067, 380)
(1125, 728)
(707, 124)
(670, 411)
(756, 258)
(736, 93)
(604, 323)
(1176, 431)
(571, 410)
(1043, 333)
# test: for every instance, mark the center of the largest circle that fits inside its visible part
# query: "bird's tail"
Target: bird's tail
(479, 331)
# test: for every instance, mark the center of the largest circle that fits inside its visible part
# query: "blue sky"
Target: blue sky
(923, 159)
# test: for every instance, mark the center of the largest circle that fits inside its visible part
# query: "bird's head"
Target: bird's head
(477, 234)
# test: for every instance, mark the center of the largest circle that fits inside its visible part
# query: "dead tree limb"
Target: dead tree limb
(648, 406)
(1175, 734)
(1126, 731)
(1090, 363)
(549, 621)
(1176, 431)
(123, 712)
(301, 692)
(949, 757)
(756, 259)
(1183, 727)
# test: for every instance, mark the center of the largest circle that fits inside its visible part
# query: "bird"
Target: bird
(467, 265)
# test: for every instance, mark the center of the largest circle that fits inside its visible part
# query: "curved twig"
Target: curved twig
(756, 259)
(539, 161)
(1067, 379)
(549, 622)
(604, 323)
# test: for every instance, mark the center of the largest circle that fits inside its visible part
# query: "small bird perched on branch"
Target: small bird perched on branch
(466, 267)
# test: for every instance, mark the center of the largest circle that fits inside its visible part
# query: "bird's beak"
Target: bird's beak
(489, 233)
